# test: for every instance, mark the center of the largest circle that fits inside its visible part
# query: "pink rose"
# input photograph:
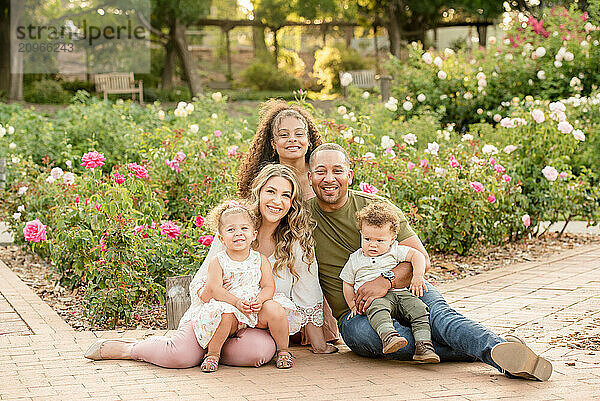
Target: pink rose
(102, 245)
(93, 159)
(174, 164)
(507, 122)
(506, 177)
(563, 174)
(232, 151)
(180, 156)
(170, 229)
(410, 165)
(526, 220)
(368, 188)
(137, 170)
(98, 207)
(477, 186)
(423, 163)
(499, 169)
(454, 162)
(77, 199)
(492, 161)
(34, 231)
(199, 221)
(565, 127)
(140, 229)
(550, 173)
(491, 198)
(218, 133)
(206, 240)
(119, 179)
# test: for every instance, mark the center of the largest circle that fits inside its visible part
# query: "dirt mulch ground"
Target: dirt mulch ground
(69, 304)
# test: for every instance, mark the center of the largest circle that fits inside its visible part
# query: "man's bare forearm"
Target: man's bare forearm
(403, 273)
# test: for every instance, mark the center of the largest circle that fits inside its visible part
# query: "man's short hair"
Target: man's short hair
(378, 214)
(328, 146)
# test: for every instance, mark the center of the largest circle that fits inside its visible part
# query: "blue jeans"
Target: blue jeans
(455, 337)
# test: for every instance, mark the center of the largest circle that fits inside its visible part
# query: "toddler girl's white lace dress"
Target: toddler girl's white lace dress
(245, 284)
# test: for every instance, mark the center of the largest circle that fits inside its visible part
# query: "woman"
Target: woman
(284, 234)
(286, 134)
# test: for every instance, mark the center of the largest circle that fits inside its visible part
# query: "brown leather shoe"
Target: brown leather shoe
(425, 353)
(392, 342)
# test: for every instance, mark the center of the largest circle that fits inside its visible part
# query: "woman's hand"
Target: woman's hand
(417, 286)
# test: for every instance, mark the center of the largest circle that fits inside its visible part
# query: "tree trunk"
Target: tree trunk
(169, 66)
(259, 44)
(187, 60)
(4, 47)
(376, 45)
(482, 33)
(276, 48)
(16, 58)
(349, 35)
(394, 37)
(229, 75)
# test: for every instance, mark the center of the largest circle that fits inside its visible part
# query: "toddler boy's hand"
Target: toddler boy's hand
(417, 286)
(353, 312)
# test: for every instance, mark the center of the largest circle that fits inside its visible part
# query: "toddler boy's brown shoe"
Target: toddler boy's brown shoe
(425, 353)
(392, 342)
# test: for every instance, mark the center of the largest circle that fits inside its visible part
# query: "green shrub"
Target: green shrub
(46, 91)
(264, 76)
(74, 86)
(329, 61)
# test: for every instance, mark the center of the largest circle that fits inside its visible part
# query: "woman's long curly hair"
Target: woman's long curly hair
(261, 150)
(295, 226)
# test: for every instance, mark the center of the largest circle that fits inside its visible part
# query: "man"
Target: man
(455, 337)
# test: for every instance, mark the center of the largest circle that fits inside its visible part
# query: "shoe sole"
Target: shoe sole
(395, 345)
(93, 352)
(519, 360)
(426, 359)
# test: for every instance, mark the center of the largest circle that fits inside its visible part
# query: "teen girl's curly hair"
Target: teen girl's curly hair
(295, 227)
(261, 151)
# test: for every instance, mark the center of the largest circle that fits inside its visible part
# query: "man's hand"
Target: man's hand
(370, 291)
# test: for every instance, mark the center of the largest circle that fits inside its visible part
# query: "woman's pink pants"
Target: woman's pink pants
(249, 347)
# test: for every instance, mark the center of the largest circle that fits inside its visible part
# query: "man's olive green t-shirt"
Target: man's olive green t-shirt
(336, 237)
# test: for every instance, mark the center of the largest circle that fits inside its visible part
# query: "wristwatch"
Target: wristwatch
(389, 276)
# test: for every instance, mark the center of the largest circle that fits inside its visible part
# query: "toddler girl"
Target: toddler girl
(248, 300)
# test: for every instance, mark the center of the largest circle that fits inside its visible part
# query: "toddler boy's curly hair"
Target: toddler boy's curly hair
(378, 214)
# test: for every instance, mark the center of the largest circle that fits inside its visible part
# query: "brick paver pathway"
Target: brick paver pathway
(538, 301)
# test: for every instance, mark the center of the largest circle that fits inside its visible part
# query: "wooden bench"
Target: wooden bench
(366, 79)
(119, 82)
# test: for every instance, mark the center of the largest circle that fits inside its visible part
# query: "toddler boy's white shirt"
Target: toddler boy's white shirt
(360, 269)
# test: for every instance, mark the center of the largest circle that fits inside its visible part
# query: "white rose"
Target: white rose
(50, 179)
(468, 95)
(509, 149)
(181, 105)
(2, 131)
(369, 156)
(427, 58)
(56, 173)
(69, 178)
(214, 116)
(489, 149)
(391, 106)
(205, 138)
(12, 146)
(421, 97)
(433, 148)
(359, 140)
(557, 64)
(541, 74)
(579, 135)
(194, 128)
(540, 51)
(393, 100)
(407, 105)
(497, 117)
(387, 142)
(467, 137)
(16, 216)
(365, 95)
(346, 79)
(480, 75)
(442, 74)
(69, 163)
(189, 108)
(437, 62)
(161, 115)
(11, 130)
(410, 138)
(448, 52)
(550, 173)
(217, 96)
(342, 110)
(22, 190)
(440, 171)
(569, 56)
